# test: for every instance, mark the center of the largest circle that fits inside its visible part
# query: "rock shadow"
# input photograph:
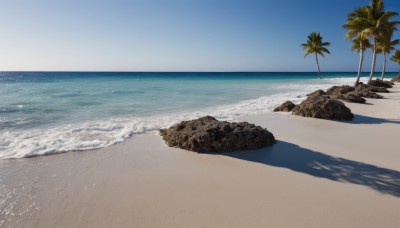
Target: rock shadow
(317, 164)
(360, 119)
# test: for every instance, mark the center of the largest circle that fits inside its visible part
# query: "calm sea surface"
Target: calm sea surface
(43, 112)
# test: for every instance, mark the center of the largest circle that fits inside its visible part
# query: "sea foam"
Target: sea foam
(95, 134)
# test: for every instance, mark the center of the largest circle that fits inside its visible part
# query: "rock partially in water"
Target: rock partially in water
(380, 83)
(323, 107)
(317, 93)
(287, 106)
(207, 135)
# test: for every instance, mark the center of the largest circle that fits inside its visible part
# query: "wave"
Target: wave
(102, 133)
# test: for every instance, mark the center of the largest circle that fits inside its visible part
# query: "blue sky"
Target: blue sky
(175, 35)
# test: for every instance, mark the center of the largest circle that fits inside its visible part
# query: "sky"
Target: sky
(176, 35)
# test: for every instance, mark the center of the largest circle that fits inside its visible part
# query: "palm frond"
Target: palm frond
(314, 44)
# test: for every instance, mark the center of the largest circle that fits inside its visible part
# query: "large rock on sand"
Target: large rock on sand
(350, 93)
(336, 91)
(317, 93)
(361, 86)
(287, 106)
(323, 107)
(210, 135)
(396, 79)
(380, 83)
(345, 93)
(352, 97)
(366, 91)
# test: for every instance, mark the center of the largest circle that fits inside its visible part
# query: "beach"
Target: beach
(192, 114)
(320, 173)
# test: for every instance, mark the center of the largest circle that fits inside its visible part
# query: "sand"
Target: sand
(320, 174)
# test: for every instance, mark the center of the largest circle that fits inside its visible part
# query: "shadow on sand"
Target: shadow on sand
(317, 164)
(360, 119)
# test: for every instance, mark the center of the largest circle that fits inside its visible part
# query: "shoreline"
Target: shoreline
(31, 131)
(321, 173)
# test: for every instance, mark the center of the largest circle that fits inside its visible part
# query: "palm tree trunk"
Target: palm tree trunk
(373, 61)
(384, 66)
(319, 72)
(360, 65)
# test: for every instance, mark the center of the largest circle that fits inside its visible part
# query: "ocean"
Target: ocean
(45, 113)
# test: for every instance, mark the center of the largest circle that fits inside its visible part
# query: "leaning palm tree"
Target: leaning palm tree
(316, 46)
(385, 46)
(360, 45)
(396, 58)
(370, 21)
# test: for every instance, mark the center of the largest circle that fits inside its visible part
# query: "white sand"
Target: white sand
(320, 174)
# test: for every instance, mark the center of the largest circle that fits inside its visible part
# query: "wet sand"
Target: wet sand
(320, 174)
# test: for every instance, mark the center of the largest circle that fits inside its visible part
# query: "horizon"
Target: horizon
(178, 36)
(139, 71)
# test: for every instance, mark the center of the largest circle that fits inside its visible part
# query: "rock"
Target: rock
(207, 134)
(396, 79)
(287, 106)
(318, 93)
(380, 83)
(323, 107)
(362, 87)
(366, 91)
(368, 94)
(335, 91)
(346, 93)
(352, 97)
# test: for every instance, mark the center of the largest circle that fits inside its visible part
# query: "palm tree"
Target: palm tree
(396, 58)
(385, 46)
(360, 41)
(370, 22)
(375, 24)
(360, 45)
(315, 45)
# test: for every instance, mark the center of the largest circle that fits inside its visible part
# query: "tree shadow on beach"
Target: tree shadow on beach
(317, 164)
(360, 119)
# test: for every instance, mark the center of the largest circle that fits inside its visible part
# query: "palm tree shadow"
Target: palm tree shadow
(317, 164)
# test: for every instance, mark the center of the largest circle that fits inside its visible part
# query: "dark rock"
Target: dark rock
(352, 97)
(366, 91)
(396, 78)
(210, 135)
(346, 93)
(318, 93)
(380, 83)
(368, 94)
(362, 87)
(287, 106)
(335, 91)
(323, 107)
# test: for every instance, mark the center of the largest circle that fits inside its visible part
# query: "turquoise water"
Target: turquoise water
(43, 112)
